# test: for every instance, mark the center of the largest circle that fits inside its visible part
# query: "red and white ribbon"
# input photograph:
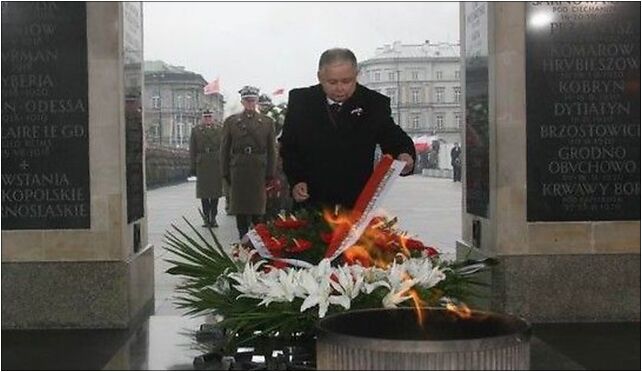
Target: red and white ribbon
(366, 207)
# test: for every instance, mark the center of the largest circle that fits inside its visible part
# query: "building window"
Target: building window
(179, 102)
(377, 76)
(181, 131)
(391, 76)
(415, 121)
(154, 132)
(415, 95)
(156, 102)
(439, 94)
(456, 74)
(439, 75)
(457, 94)
(458, 121)
(392, 93)
(415, 75)
(439, 121)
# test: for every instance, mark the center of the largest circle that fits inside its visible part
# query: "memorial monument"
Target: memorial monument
(74, 230)
(552, 156)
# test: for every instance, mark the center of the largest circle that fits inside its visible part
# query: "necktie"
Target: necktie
(335, 108)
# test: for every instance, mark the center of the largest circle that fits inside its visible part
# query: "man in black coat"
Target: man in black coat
(331, 131)
(455, 161)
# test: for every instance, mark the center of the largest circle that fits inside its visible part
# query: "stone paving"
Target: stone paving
(429, 208)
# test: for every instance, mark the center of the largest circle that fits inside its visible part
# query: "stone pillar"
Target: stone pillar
(74, 231)
(552, 157)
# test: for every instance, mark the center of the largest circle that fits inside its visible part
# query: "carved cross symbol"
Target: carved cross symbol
(24, 165)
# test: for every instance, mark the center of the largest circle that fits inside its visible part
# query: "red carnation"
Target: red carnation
(300, 245)
(276, 246)
(290, 224)
(263, 231)
(430, 251)
(414, 245)
(377, 220)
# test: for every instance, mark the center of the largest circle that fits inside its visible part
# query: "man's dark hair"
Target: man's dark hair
(334, 55)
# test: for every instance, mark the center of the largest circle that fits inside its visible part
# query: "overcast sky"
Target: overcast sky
(273, 45)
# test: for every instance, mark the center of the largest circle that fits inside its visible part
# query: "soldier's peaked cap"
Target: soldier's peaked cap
(249, 91)
(207, 113)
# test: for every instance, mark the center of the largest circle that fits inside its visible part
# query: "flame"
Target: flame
(334, 218)
(369, 253)
(460, 309)
(404, 246)
(418, 304)
(358, 253)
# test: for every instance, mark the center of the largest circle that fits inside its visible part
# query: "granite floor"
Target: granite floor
(428, 207)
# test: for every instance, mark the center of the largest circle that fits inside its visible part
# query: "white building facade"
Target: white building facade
(423, 83)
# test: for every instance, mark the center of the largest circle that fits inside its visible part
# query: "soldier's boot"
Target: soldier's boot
(213, 222)
(206, 219)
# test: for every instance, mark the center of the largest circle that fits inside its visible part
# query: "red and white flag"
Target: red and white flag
(278, 92)
(212, 87)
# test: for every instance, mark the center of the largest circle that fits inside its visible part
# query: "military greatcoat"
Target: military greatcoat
(205, 154)
(248, 159)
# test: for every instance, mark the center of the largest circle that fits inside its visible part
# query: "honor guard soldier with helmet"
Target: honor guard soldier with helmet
(265, 104)
(205, 156)
(248, 158)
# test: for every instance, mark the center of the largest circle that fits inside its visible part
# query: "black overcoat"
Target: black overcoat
(335, 157)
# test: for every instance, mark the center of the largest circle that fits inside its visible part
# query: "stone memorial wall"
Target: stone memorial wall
(477, 124)
(564, 147)
(75, 252)
(133, 64)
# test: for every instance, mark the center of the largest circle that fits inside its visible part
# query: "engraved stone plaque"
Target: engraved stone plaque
(583, 111)
(45, 139)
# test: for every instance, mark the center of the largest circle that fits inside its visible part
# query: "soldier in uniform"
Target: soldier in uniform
(248, 158)
(265, 104)
(205, 149)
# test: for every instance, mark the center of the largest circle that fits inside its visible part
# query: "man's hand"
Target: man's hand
(300, 192)
(410, 164)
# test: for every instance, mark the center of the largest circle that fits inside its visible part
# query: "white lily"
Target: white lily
(373, 278)
(394, 298)
(280, 286)
(316, 291)
(424, 273)
(347, 285)
(400, 283)
(248, 281)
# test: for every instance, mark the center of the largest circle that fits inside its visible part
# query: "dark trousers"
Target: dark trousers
(243, 222)
(210, 207)
(457, 173)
